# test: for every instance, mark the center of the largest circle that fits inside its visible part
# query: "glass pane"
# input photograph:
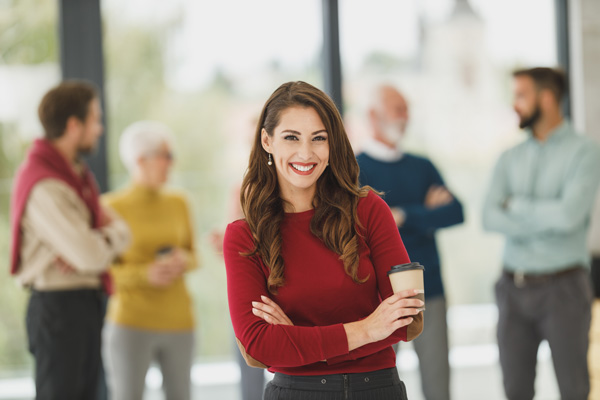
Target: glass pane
(453, 61)
(205, 71)
(28, 68)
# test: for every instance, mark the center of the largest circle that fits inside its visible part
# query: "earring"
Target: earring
(270, 162)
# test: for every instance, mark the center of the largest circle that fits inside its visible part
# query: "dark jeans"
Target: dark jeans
(64, 330)
(557, 310)
(384, 384)
(102, 388)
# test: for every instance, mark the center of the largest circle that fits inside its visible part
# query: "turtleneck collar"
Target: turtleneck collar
(147, 192)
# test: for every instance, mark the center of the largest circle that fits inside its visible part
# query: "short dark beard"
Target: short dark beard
(85, 151)
(528, 122)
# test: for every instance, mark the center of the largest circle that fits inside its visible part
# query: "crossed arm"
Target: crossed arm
(280, 343)
(524, 216)
(439, 209)
(395, 312)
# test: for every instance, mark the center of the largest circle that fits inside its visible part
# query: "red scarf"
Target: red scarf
(43, 162)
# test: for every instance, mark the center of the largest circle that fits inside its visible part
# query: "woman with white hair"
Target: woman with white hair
(149, 315)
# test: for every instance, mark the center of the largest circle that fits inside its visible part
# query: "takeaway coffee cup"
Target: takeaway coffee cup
(408, 276)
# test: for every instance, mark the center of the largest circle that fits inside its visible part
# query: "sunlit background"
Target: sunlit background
(206, 68)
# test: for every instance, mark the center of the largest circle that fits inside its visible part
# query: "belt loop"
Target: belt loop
(519, 279)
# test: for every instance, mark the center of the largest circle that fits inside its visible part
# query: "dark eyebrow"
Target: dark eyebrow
(298, 133)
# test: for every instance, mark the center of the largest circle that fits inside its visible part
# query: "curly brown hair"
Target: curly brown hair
(336, 197)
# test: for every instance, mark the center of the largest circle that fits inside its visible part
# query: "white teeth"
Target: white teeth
(303, 168)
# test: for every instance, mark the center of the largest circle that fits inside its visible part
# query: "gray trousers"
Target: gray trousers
(557, 310)
(432, 350)
(252, 382)
(127, 356)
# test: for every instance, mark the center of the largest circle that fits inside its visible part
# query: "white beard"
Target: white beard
(393, 132)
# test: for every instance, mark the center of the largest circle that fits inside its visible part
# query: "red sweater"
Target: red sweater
(318, 296)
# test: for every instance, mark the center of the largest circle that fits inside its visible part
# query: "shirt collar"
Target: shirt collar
(381, 152)
(562, 130)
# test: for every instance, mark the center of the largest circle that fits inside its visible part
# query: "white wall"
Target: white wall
(584, 32)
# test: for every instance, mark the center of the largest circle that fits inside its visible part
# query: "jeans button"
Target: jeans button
(323, 381)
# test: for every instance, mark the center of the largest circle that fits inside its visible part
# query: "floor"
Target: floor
(474, 359)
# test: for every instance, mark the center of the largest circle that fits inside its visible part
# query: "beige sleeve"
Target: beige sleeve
(60, 219)
(117, 231)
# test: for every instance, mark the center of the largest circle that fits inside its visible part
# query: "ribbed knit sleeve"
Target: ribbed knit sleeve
(271, 345)
(387, 250)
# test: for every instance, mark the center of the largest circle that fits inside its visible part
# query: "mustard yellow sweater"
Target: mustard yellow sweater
(156, 219)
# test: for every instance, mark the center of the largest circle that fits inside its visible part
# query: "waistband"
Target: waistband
(521, 279)
(67, 293)
(339, 382)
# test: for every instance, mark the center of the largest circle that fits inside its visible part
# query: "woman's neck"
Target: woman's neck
(298, 201)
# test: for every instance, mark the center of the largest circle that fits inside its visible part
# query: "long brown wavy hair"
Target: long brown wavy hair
(336, 196)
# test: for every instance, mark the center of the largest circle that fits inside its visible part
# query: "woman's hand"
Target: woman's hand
(270, 312)
(178, 259)
(392, 314)
(167, 268)
(160, 273)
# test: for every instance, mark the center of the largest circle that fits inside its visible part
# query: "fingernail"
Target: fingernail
(264, 297)
(419, 291)
(254, 303)
(255, 311)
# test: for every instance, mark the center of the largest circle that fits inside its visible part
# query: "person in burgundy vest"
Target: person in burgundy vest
(62, 244)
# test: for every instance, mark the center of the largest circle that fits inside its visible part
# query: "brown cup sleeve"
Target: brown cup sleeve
(420, 296)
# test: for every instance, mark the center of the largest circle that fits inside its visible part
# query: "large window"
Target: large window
(28, 67)
(205, 69)
(453, 60)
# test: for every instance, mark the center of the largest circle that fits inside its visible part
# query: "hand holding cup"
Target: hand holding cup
(408, 276)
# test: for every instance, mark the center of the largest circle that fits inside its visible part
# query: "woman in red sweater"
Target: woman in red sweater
(307, 282)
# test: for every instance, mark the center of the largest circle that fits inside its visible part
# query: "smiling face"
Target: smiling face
(299, 146)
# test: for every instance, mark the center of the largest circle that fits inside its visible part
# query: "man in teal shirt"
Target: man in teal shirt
(540, 198)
